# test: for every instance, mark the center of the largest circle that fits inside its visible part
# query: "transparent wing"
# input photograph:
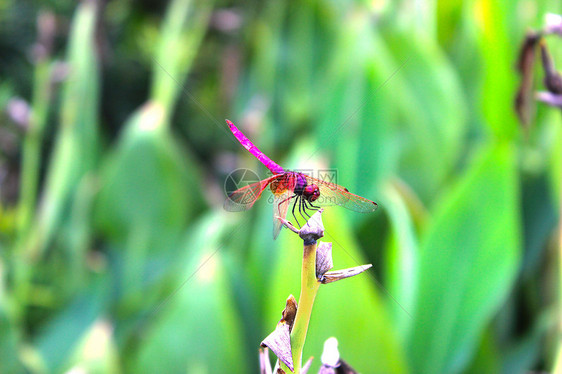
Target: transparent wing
(281, 203)
(332, 194)
(245, 197)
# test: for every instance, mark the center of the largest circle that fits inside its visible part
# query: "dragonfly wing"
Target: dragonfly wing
(280, 206)
(245, 197)
(283, 191)
(332, 194)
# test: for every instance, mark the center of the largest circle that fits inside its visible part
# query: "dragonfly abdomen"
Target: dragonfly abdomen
(246, 143)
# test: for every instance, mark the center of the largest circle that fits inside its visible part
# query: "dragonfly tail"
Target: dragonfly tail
(246, 143)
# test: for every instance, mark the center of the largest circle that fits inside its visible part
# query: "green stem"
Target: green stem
(32, 146)
(309, 289)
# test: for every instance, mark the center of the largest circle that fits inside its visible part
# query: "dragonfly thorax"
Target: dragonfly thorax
(310, 192)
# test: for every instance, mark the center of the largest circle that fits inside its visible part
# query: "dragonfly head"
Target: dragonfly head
(311, 192)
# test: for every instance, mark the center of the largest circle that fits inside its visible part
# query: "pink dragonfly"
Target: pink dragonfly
(308, 193)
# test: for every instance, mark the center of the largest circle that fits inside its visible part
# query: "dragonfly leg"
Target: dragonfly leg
(279, 205)
(293, 210)
(304, 207)
(311, 206)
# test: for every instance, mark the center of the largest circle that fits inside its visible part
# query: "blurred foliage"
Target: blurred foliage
(117, 257)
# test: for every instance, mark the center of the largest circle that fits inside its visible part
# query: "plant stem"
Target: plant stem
(309, 289)
(32, 145)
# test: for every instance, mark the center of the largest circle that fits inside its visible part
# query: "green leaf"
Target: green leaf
(10, 338)
(149, 191)
(182, 32)
(486, 358)
(147, 179)
(401, 256)
(355, 122)
(429, 98)
(467, 264)
(75, 152)
(57, 341)
(497, 57)
(198, 330)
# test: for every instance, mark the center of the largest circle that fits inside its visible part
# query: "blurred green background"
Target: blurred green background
(116, 255)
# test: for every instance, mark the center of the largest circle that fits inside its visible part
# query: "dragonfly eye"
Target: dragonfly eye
(311, 192)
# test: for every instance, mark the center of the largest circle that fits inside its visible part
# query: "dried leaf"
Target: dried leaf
(344, 368)
(306, 366)
(552, 80)
(333, 276)
(324, 260)
(313, 229)
(265, 365)
(550, 98)
(525, 64)
(326, 370)
(290, 312)
(279, 341)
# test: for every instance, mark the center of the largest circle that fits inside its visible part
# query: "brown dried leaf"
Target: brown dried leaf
(552, 80)
(344, 368)
(525, 64)
(333, 276)
(290, 312)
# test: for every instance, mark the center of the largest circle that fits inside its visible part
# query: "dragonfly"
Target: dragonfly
(303, 191)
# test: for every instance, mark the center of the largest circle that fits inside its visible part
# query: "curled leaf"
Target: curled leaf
(279, 341)
(552, 79)
(324, 260)
(313, 229)
(290, 312)
(525, 64)
(333, 276)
